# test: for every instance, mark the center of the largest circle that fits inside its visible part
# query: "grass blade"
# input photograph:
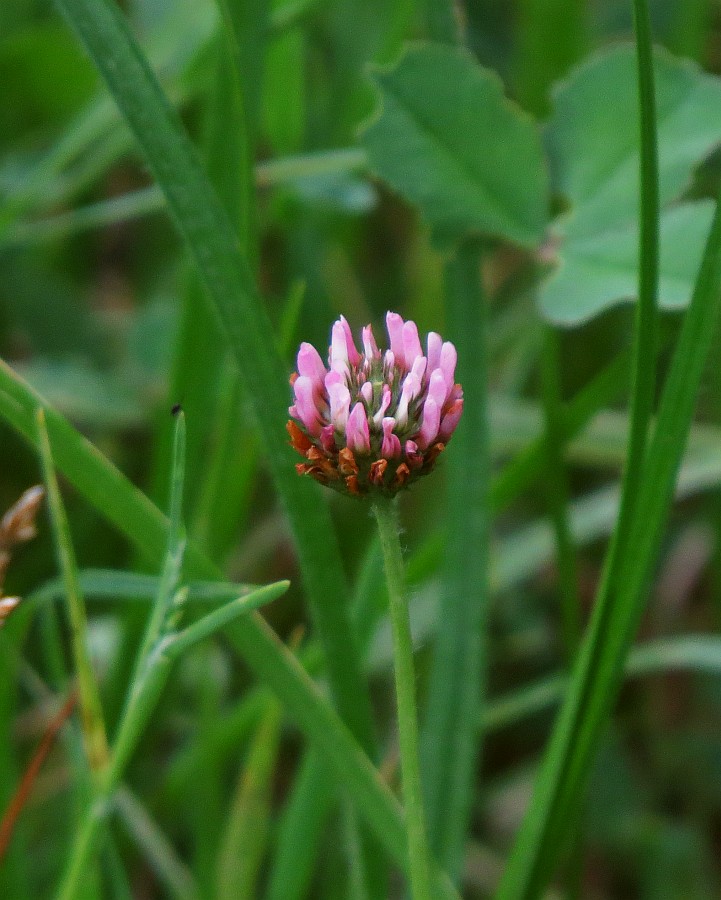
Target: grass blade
(557, 492)
(91, 711)
(597, 672)
(213, 245)
(306, 813)
(246, 831)
(450, 739)
(130, 511)
(697, 653)
(154, 845)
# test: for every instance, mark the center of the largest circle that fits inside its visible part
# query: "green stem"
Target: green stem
(645, 347)
(557, 492)
(420, 876)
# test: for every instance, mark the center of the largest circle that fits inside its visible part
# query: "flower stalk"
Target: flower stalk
(420, 869)
(368, 425)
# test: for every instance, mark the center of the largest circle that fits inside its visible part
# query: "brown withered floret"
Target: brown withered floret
(347, 463)
(16, 527)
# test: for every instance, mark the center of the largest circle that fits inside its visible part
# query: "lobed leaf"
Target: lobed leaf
(446, 138)
(597, 271)
(594, 143)
(595, 158)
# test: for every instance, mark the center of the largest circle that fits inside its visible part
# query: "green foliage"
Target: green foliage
(183, 201)
(594, 150)
(597, 271)
(446, 138)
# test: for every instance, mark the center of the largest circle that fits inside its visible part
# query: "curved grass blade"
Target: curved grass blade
(93, 721)
(213, 245)
(132, 513)
(620, 604)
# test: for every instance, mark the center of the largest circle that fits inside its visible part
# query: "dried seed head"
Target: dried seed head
(18, 523)
(16, 527)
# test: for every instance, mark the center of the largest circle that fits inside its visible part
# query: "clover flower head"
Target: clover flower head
(374, 421)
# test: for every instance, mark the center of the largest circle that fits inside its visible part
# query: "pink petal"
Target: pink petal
(394, 324)
(370, 348)
(385, 403)
(411, 343)
(339, 399)
(419, 368)
(391, 445)
(327, 438)
(437, 388)
(455, 393)
(434, 342)
(357, 436)
(450, 420)
(338, 349)
(449, 357)
(431, 422)
(413, 454)
(333, 377)
(353, 354)
(411, 389)
(367, 392)
(305, 407)
(311, 365)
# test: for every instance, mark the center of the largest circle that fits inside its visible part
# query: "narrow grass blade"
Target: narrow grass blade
(695, 653)
(95, 738)
(557, 493)
(213, 245)
(247, 828)
(215, 744)
(95, 135)
(202, 377)
(154, 845)
(215, 621)
(450, 738)
(125, 208)
(306, 813)
(620, 605)
(119, 584)
(173, 562)
(130, 511)
(528, 464)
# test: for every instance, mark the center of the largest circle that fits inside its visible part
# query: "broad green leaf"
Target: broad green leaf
(593, 139)
(446, 138)
(599, 270)
(593, 136)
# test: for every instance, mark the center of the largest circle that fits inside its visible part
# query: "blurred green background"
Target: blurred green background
(93, 284)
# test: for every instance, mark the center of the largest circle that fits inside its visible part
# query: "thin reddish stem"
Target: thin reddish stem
(20, 798)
